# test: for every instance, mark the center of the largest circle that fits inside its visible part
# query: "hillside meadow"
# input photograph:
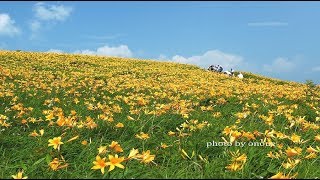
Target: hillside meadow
(80, 116)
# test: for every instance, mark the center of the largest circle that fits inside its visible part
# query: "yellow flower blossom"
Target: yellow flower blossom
(54, 164)
(290, 164)
(102, 149)
(170, 133)
(99, 164)
(279, 175)
(163, 145)
(130, 118)
(295, 138)
(293, 151)
(19, 175)
(234, 166)
(311, 150)
(115, 161)
(133, 153)
(312, 155)
(142, 136)
(34, 134)
(55, 142)
(116, 146)
(146, 157)
(73, 138)
(119, 125)
(41, 132)
(84, 142)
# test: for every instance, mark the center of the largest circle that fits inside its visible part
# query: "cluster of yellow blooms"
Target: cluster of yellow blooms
(237, 161)
(83, 92)
(115, 160)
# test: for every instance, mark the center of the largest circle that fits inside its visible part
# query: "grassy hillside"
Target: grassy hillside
(149, 119)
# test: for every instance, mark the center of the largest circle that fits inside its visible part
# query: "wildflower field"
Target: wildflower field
(79, 116)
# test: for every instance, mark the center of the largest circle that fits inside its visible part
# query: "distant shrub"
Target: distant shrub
(310, 84)
(311, 88)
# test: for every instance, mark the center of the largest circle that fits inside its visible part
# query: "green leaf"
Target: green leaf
(39, 161)
(24, 166)
(48, 159)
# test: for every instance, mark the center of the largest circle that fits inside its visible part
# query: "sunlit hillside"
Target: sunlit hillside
(79, 116)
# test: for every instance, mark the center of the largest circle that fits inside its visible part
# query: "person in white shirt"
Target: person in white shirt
(240, 76)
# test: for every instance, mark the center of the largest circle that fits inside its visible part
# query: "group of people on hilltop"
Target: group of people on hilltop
(218, 68)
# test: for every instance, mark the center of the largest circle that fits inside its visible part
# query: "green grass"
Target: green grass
(19, 151)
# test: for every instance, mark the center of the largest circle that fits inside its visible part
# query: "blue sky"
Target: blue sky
(275, 39)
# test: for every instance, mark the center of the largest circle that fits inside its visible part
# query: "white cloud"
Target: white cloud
(271, 23)
(317, 68)
(280, 65)
(7, 26)
(51, 12)
(86, 51)
(55, 50)
(212, 57)
(120, 51)
(46, 15)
